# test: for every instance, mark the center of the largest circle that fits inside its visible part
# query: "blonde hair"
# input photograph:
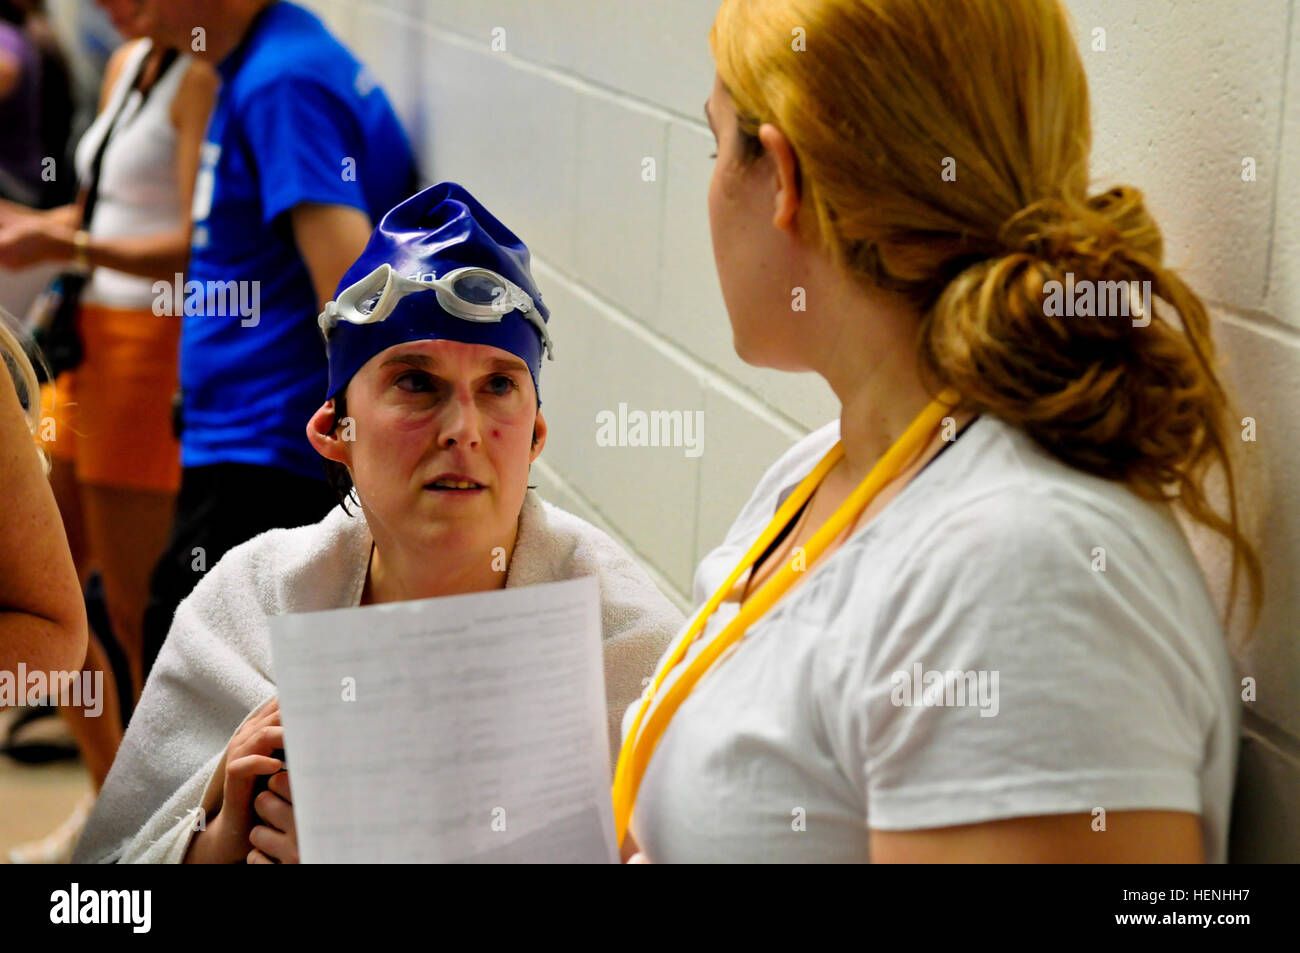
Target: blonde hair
(888, 95)
(22, 373)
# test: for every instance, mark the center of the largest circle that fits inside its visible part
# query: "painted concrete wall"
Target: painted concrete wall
(551, 110)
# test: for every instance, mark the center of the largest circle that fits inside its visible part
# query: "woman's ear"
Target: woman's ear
(786, 169)
(539, 437)
(328, 439)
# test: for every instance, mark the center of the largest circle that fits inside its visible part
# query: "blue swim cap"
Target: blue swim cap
(439, 267)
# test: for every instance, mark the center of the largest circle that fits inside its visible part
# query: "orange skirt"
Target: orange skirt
(112, 415)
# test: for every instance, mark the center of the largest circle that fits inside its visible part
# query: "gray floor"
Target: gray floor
(35, 799)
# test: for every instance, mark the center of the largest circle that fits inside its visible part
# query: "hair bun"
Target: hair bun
(1103, 384)
(1110, 235)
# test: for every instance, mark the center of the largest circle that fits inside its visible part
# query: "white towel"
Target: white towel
(215, 667)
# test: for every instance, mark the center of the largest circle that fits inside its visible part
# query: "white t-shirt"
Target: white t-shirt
(1087, 683)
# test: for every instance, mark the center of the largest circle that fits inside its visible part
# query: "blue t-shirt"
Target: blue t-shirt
(298, 119)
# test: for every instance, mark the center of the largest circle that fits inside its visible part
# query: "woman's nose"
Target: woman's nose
(460, 423)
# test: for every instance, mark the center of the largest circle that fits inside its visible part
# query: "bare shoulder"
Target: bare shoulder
(11, 73)
(118, 59)
(196, 93)
(200, 79)
(113, 70)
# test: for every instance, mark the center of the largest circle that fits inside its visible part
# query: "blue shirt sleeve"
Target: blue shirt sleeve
(305, 142)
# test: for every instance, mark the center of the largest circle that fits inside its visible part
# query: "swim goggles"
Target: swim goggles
(470, 293)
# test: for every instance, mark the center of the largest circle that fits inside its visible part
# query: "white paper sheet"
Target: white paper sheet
(468, 728)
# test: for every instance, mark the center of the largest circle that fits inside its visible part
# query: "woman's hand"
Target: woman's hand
(31, 239)
(277, 839)
(12, 212)
(225, 839)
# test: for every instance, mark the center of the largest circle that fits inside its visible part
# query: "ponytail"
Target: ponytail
(1114, 388)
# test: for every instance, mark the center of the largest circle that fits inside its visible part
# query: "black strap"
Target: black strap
(59, 339)
(780, 538)
(948, 443)
(786, 529)
(92, 183)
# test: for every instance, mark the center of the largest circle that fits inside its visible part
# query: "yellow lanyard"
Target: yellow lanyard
(639, 745)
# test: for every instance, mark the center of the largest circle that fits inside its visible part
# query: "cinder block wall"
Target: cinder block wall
(580, 123)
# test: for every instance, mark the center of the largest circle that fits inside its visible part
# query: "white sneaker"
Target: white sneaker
(57, 847)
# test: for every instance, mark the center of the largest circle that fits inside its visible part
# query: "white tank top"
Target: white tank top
(139, 188)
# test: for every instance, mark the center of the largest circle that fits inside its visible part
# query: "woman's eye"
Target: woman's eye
(415, 382)
(501, 385)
